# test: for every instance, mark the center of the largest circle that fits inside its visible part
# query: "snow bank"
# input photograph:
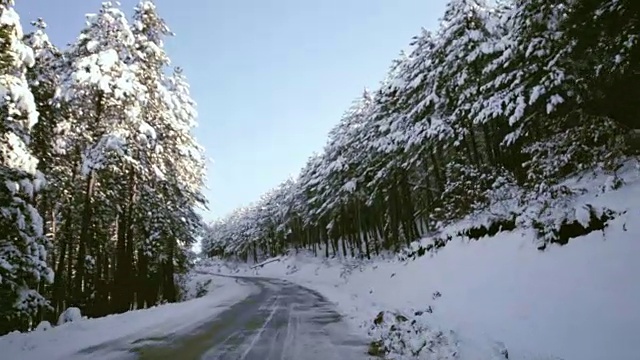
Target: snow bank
(577, 301)
(62, 342)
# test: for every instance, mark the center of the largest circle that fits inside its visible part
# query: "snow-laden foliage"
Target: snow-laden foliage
(110, 126)
(487, 114)
(410, 337)
(23, 248)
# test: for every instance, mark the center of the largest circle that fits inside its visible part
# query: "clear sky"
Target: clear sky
(270, 77)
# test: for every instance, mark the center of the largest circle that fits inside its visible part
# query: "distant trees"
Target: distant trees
(109, 129)
(497, 106)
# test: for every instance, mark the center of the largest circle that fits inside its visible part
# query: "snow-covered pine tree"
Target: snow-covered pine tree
(177, 160)
(151, 62)
(606, 58)
(606, 51)
(308, 200)
(424, 129)
(43, 80)
(23, 247)
(460, 53)
(528, 83)
(102, 93)
(184, 167)
(386, 135)
(542, 92)
(339, 169)
(347, 150)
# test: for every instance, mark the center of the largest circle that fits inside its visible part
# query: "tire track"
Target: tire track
(282, 321)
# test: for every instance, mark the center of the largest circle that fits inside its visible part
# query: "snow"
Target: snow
(71, 314)
(106, 71)
(62, 342)
(577, 301)
(23, 54)
(43, 326)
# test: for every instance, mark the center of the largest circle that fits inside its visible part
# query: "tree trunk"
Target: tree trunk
(85, 238)
(169, 287)
(142, 279)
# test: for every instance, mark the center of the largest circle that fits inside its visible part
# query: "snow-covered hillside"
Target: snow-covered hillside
(577, 301)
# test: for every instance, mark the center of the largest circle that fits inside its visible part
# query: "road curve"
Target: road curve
(281, 321)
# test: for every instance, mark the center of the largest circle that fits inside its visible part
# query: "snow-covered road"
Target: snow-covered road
(280, 321)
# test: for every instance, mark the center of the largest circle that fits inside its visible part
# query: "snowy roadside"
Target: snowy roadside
(62, 342)
(577, 301)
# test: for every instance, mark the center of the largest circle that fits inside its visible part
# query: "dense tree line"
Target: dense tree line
(486, 115)
(101, 173)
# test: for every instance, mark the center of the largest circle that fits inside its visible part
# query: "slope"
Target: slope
(577, 301)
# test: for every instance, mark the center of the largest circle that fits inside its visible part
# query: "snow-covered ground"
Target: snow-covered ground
(574, 302)
(63, 341)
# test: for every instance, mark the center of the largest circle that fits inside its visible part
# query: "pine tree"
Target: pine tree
(183, 164)
(23, 248)
(606, 55)
(101, 90)
(44, 80)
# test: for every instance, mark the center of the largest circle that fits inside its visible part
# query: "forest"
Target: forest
(485, 116)
(103, 176)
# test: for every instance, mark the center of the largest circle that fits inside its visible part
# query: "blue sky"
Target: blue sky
(270, 77)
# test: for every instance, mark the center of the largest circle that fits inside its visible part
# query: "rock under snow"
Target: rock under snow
(43, 326)
(72, 314)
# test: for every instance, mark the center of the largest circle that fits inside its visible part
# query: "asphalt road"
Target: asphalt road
(282, 321)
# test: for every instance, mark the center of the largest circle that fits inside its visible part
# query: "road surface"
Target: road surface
(281, 321)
